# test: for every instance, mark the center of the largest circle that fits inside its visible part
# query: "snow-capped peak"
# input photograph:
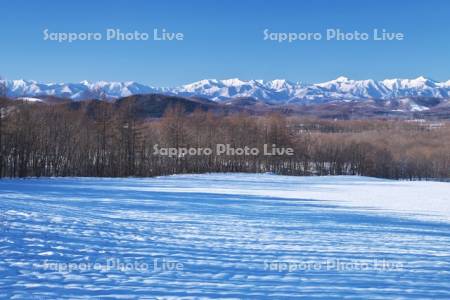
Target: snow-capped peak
(234, 81)
(341, 79)
(421, 78)
(277, 90)
(279, 84)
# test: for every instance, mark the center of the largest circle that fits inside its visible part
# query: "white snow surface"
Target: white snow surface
(418, 199)
(30, 99)
(57, 235)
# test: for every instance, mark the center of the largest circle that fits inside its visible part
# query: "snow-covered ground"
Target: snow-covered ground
(420, 199)
(235, 236)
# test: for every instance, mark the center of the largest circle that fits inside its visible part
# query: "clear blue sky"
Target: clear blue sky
(223, 39)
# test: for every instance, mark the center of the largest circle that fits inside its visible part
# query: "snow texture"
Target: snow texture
(226, 231)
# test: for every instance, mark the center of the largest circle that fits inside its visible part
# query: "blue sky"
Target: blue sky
(223, 39)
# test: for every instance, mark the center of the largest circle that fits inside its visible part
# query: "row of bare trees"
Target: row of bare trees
(55, 140)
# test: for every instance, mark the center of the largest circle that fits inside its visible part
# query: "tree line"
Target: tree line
(57, 140)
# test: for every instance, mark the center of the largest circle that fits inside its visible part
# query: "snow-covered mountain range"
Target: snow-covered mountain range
(274, 91)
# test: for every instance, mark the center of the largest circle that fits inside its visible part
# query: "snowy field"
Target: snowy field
(233, 236)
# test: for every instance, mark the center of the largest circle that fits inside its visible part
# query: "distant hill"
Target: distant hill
(154, 106)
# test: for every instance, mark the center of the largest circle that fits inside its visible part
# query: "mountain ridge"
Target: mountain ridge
(278, 91)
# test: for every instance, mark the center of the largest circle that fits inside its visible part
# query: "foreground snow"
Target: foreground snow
(224, 236)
